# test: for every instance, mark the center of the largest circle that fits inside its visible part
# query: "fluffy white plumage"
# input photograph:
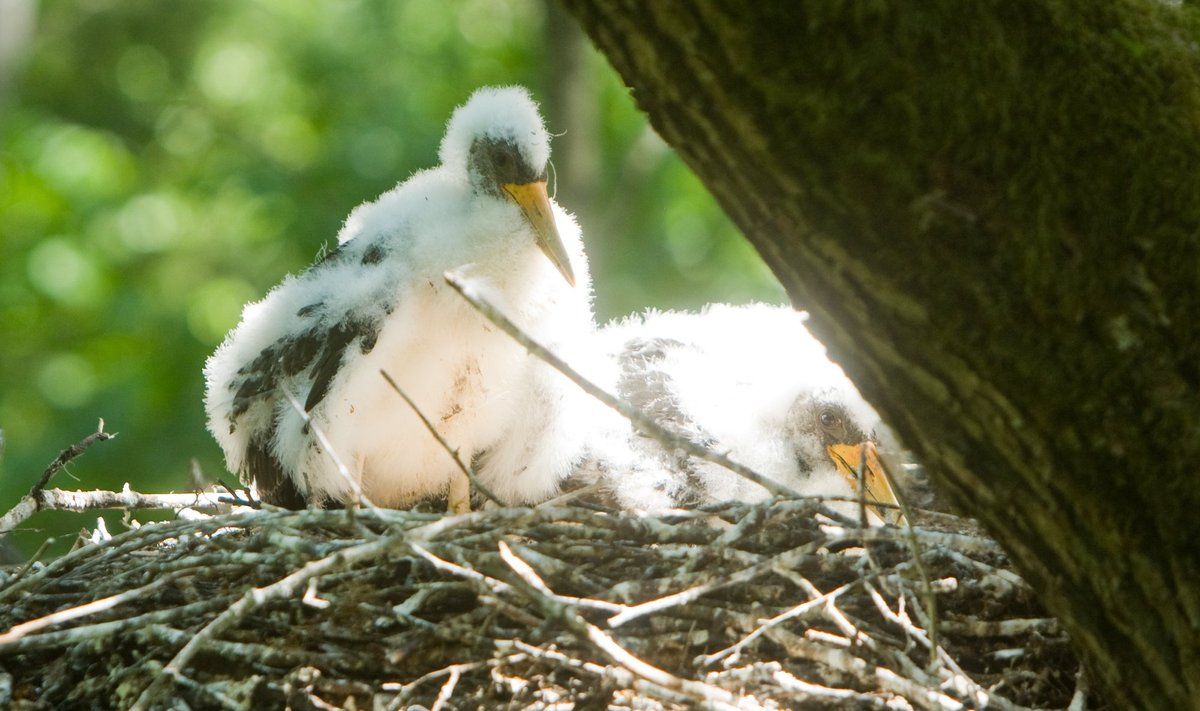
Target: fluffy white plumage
(379, 302)
(749, 381)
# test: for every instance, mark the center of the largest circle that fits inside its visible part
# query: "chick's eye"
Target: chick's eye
(829, 418)
(504, 161)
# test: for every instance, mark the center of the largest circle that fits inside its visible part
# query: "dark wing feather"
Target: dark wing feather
(261, 467)
(330, 362)
(319, 349)
(313, 349)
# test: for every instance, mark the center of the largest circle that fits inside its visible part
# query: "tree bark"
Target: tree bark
(992, 212)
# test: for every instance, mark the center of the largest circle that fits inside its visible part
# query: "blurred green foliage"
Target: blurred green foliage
(163, 163)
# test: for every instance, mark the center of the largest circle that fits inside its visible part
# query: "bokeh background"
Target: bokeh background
(162, 163)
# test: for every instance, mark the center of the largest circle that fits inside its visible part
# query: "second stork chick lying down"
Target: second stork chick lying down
(747, 381)
(306, 359)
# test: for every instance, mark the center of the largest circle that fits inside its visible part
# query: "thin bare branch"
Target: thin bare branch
(31, 502)
(467, 470)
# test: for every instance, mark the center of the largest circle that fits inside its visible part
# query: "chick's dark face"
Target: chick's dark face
(498, 168)
(498, 162)
(835, 426)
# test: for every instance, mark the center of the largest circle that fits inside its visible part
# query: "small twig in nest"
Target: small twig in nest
(359, 497)
(252, 600)
(468, 471)
(31, 502)
(714, 696)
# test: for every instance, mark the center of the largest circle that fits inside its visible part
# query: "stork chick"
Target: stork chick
(378, 302)
(748, 381)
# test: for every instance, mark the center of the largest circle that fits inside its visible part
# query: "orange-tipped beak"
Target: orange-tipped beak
(848, 458)
(535, 203)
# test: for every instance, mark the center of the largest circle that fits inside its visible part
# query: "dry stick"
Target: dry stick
(928, 598)
(586, 602)
(468, 471)
(1015, 627)
(618, 676)
(979, 696)
(706, 693)
(32, 559)
(789, 683)
(640, 419)
(91, 608)
(70, 453)
(288, 587)
(252, 599)
(797, 611)
(326, 445)
(126, 498)
(745, 575)
(31, 502)
(498, 586)
(404, 691)
(91, 634)
(1079, 698)
(122, 545)
(446, 691)
(842, 660)
(209, 695)
(835, 615)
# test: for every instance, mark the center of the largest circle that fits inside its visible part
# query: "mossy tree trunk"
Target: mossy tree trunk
(992, 211)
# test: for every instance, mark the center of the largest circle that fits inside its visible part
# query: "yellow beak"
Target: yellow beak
(535, 203)
(848, 458)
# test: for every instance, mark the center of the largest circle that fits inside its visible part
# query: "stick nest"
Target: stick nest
(781, 604)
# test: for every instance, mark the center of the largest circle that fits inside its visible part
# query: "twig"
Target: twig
(798, 611)
(928, 598)
(745, 575)
(454, 671)
(73, 613)
(210, 697)
(33, 559)
(97, 631)
(465, 469)
(64, 457)
(255, 598)
(447, 690)
(498, 586)
(355, 488)
(790, 684)
(1042, 626)
(641, 420)
(844, 661)
(586, 602)
(126, 498)
(31, 502)
(1079, 698)
(958, 678)
(705, 693)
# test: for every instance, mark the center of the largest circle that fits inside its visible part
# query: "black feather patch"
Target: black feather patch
(373, 255)
(330, 362)
(311, 308)
(262, 468)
